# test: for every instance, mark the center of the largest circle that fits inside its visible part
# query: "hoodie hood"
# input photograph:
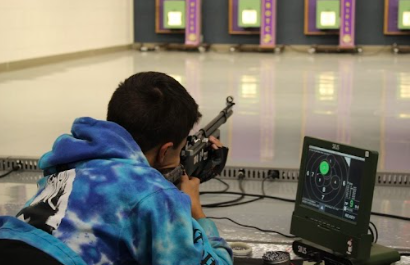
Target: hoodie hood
(92, 139)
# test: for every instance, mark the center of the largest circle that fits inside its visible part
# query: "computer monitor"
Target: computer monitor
(334, 197)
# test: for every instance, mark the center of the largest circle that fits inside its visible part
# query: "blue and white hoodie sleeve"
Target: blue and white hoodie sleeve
(137, 217)
(111, 207)
(165, 233)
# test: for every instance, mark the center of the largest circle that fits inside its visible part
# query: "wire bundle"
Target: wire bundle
(242, 195)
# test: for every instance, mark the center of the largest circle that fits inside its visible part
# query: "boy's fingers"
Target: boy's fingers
(195, 180)
(184, 178)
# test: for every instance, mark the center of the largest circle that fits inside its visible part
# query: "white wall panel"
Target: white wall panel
(37, 28)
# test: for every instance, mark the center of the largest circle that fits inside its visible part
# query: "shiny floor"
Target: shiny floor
(353, 99)
(357, 100)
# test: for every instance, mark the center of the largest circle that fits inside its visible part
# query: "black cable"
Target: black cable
(223, 182)
(376, 233)
(231, 203)
(391, 216)
(227, 187)
(255, 227)
(225, 204)
(405, 254)
(228, 203)
(238, 203)
(257, 199)
(15, 168)
(372, 234)
(263, 186)
(291, 200)
(250, 195)
(272, 174)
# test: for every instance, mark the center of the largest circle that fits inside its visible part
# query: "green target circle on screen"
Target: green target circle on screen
(324, 167)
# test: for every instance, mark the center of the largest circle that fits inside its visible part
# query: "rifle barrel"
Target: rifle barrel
(216, 122)
(223, 116)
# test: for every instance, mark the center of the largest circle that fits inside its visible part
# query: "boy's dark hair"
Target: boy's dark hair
(154, 108)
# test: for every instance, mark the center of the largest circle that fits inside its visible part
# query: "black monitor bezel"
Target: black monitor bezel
(358, 228)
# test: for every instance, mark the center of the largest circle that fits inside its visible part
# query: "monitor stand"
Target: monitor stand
(379, 255)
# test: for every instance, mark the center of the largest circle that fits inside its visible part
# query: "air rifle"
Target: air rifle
(198, 158)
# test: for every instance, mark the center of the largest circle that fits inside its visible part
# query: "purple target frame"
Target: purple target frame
(159, 19)
(267, 30)
(391, 16)
(347, 22)
(310, 20)
(233, 21)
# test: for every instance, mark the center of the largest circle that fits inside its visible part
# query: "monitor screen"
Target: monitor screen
(333, 182)
(334, 197)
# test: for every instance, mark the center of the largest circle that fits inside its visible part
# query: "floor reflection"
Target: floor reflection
(355, 100)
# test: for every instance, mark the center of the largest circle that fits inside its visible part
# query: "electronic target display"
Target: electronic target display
(332, 182)
(334, 197)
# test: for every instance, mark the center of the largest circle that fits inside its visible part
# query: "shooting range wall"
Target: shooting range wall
(43, 28)
(290, 23)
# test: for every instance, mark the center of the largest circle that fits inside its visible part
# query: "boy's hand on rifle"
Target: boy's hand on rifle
(215, 142)
(190, 186)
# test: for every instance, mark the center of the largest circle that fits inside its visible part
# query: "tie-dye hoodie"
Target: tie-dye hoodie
(110, 207)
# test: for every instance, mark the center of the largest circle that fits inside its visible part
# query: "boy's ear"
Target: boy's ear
(163, 151)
